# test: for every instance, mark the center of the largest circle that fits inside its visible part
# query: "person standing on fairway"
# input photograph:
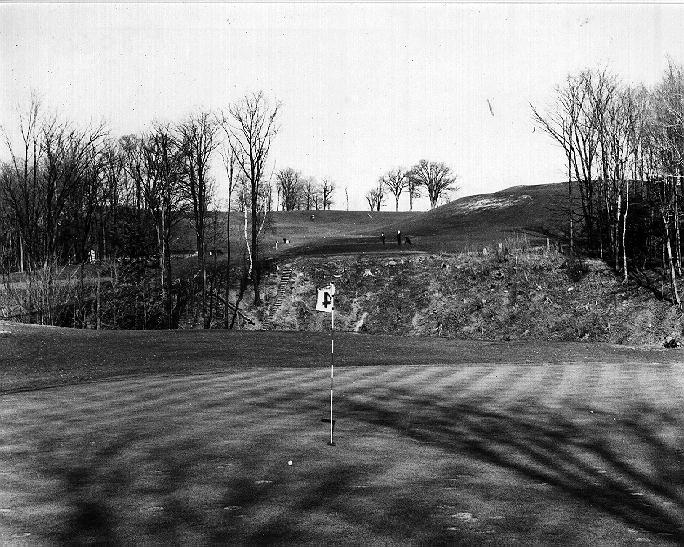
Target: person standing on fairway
(399, 237)
(382, 237)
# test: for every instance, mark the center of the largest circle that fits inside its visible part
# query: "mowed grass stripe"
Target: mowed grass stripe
(518, 384)
(608, 382)
(491, 384)
(351, 378)
(549, 384)
(257, 386)
(379, 381)
(457, 382)
(675, 381)
(652, 384)
(592, 375)
(534, 385)
(571, 378)
(417, 378)
(372, 390)
(307, 390)
(172, 395)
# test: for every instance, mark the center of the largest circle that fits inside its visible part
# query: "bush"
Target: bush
(576, 268)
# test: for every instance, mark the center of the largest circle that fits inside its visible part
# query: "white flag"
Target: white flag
(326, 299)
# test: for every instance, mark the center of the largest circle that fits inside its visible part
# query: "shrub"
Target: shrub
(576, 268)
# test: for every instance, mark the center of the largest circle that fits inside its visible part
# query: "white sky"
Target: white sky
(364, 87)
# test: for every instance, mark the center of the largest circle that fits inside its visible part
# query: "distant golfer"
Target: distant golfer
(382, 237)
(399, 237)
(313, 217)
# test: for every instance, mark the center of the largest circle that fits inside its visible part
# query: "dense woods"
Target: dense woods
(74, 195)
(624, 151)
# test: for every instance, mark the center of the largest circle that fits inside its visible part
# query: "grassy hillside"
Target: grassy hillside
(486, 218)
(467, 222)
(296, 226)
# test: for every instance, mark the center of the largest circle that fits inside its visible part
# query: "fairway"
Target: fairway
(464, 452)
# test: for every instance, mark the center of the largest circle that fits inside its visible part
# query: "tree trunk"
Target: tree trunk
(673, 280)
(160, 248)
(570, 207)
(616, 229)
(678, 241)
(21, 253)
(211, 297)
(169, 278)
(624, 233)
(254, 257)
(98, 322)
(226, 320)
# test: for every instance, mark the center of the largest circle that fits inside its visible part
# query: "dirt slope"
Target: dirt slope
(473, 296)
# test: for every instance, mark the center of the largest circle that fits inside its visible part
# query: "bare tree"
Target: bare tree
(290, 188)
(560, 122)
(252, 125)
(620, 138)
(435, 177)
(230, 163)
(665, 128)
(413, 188)
(111, 190)
(396, 181)
(69, 152)
(311, 192)
(50, 188)
(198, 140)
(19, 183)
(165, 198)
(375, 198)
(327, 189)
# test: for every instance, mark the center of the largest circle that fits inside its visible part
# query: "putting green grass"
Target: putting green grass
(547, 452)
(36, 357)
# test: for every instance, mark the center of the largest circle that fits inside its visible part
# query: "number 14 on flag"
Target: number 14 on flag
(325, 301)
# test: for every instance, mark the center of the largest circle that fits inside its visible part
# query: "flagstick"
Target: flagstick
(332, 370)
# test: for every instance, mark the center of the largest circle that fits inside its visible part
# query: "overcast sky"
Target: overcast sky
(364, 87)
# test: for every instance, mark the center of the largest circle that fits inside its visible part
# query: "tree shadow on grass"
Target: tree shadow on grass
(620, 464)
(627, 465)
(262, 501)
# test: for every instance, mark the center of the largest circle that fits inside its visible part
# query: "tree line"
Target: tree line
(624, 152)
(435, 178)
(297, 192)
(70, 191)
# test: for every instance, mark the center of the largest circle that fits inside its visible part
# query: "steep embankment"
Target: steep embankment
(529, 296)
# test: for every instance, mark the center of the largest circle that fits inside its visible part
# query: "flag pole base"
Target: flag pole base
(330, 443)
